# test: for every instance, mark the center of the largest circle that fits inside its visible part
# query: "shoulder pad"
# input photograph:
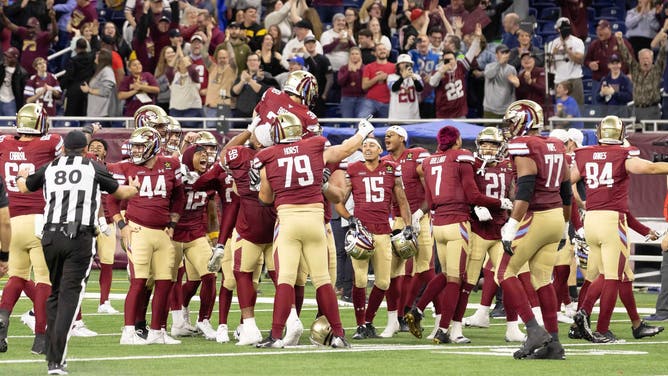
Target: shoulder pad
(465, 158)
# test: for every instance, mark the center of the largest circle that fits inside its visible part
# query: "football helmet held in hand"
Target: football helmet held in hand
(581, 249)
(402, 246)
(359, 243)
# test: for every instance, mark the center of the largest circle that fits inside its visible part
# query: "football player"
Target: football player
(291, 176)
(173, 138)
(404, 288)
(606, 169)
(450, 190)
(151, 217)
(152, 116)
(375, 184)
(30, 148)
(541, 208)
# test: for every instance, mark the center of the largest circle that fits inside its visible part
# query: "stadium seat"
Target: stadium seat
(550, 14)
(533, 12)
(394, 41)
(611, 12)
(618, 26)
(588, 85)
(537, 41)
(591, 14)
(548, 28)
(586, 73)
(589, 98)
(541, 5)
(393, 56)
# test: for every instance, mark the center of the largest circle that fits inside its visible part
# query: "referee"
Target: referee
(72, 185)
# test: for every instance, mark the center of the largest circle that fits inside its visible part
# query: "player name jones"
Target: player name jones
(600, 155)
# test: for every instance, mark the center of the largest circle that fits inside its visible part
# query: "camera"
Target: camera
(446, 61)
(660, 157)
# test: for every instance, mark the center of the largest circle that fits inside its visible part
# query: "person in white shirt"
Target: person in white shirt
(336, 42)
(565, 57)
(404, 88)
(295, 46)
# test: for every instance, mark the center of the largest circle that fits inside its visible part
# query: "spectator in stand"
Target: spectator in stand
(601, 49)
(321, 68)
(532, 80)
(82, 14)
(511, 25)
(249, 87)
(500, 83)
(116, 60)
(35, 43)
(642, 24)
(237, 47)
(409, 33)
(616, 89)
(270, 57)
(405, 86)
(279, 40)
(122, 47)
(295, 46)
(449, 81)
(374, 82)
(424, 64)
(281, 18)
(567, 54)
(12, 82)
(353, 22)
(199, 58)
(163, 71)
(646, 77)
(63, 14)
(576, 12)
(566, 106)
(296, 63)
(137, 88)
(456, 10)
(206, 25)
(79, 70)
(436, 41)
(350, 81)
(475, 86)
(660, 38)
(311, 16)
(453, 44)
(336, 42)
(374, 9)
(101, 90)
(88, 33)
(254, 31)
(524, 39)
(367, 47)
(43, 87)
(185, 100)
(222, 74)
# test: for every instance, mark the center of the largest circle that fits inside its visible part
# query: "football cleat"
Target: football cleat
(160, 337)
(441, 337)
(250, 335)
(179, 330)
(186, 320)
(360, 333)
(537, 337)
(141, 329)
(413, 319)
(269, 343)
(391, 328)
(56, 369)
(293, 331)
(237, 331)
(207, 330)
(606, 337)
(28, 319)
(574, 332)
(340, 343)
(437, 319)
(221, 334)
(553, 350)
(371, 331)
(106, 308)
(498, 312)
(645, 330)
(39, 344)
(478, 320)
(514, 334)
(403, 325)
(570, 309)
(79, 330)
(4, 325)
(455, 332)
(129, 336)
(581, 319)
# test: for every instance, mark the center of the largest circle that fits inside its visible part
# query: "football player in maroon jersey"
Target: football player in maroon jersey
(291, 176)
(404, 288)
(450, 190)
(375, 184)
(151, 218)
(536, 225)
(31, 148)
(606, 169)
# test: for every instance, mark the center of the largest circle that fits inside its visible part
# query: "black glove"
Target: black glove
(507, 247)
(254, 176)
(408, 232)
(326, 173)
(353, 223)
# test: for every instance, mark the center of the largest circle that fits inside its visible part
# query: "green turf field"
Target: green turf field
(488, 354)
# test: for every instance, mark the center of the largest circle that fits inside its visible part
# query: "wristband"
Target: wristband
(4, 256)
(121, 224)
(171, 225)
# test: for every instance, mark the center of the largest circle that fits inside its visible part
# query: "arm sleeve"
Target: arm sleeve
(636, 226)
(4, 201)
(229, 219)
(35, 181)
(396, 86)
(105, 179)
(208, 180)
(473, 195)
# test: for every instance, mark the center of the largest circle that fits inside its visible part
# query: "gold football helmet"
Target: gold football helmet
(359, 242)
(209, 142)
(494, 136)
(287, 128)
(402, 247)
(151, 115)
(610, 131)
(149, 139)
(173, 135)
(521, 117)
(32, 119)
(321, 332)
(302, 84)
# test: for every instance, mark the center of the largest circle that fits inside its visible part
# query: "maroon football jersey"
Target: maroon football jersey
(31, 49)
(193, 223)
(494, 181)
(409, 160)
(451, 92)
(603, 169)
(255, 222)
(203, 74)
(35, 82)
(549, 154)
(294, 170)
(16, 155)
(216, 179)
(372, 193)
(275, 102)
(450, 186)
(160, 194)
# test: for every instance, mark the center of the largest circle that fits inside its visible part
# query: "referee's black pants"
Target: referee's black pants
(69, 262)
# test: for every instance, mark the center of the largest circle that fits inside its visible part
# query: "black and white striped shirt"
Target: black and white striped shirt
(72, 186)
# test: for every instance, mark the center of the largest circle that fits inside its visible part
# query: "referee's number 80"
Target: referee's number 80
(62, 177)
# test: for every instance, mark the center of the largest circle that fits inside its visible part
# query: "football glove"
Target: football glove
(254, 176)
(482, 213)
(365, 128)
(408, 232)
(415, 220)
(216, 258)
(506, 204)
(103, 226)
(507, 247)
(326, 173)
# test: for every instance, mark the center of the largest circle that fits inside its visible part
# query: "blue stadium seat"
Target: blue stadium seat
(541, 5)
(533, 12)
(588, 85)
(394, 40)
(591, 14)
(586, 73)
(393, 56)
(548, 28)
(352, 4)
(612, 12)
(550, 14)
(618, 26)
(537, 41)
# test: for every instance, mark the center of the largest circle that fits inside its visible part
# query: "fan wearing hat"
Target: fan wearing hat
(36, 42)
(236, 42)
(411, 31)
(524, 38)
(601, 49)
(337, 41)
(566, 53)
(500, 81)
(616, 87)
(295, 46)
(531, 79)
(12, 81)
(318, 65)
(404, 85)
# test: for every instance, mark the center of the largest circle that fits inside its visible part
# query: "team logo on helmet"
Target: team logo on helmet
(522, 116)
(144, 144)
(494, 136)
(402, 247)
(610, 131)
(359, 243)
(150, 115)
(287, 128)
(173, 135)
(209, 142)
(32, 119)
(302, 84)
